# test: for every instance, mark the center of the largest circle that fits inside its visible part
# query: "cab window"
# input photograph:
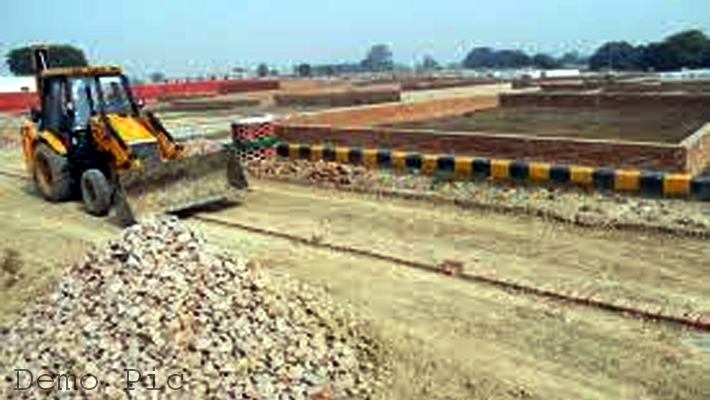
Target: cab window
(55, 105)
(115, 98)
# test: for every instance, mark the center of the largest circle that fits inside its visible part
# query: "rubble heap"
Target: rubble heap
(318, 171)
(160, 301)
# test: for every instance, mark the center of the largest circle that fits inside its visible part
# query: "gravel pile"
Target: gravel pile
(567, 203)
(318, 171)
(159, 297)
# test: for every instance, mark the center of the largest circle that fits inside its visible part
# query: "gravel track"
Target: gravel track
(575, 205)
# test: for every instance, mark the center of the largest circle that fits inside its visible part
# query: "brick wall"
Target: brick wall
(697, 86)
(241, 86)
(339, 98)
(697, 147)
(16, 102)
(668, 158)
(606, 100)
(150, 91)
(390, 113)
(412, 85)
(23, 101)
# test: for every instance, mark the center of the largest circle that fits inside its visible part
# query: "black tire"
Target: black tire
(96, 192)
(52, 174)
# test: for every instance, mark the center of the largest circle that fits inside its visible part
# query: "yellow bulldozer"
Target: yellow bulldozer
(91, 139)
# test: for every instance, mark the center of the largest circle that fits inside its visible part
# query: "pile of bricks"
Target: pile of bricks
(251, 132)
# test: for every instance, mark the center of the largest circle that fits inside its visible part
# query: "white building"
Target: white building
(686, 75)
(561, 73)
(14, 84)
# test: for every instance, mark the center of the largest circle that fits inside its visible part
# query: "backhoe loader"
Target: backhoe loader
(91, 139)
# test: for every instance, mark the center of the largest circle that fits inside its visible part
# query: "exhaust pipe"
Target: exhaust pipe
(40, 57)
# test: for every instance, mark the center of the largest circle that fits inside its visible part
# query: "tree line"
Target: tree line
(686, 49)
(486, 57)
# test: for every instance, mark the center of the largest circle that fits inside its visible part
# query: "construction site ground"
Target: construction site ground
(444, 338)
(667, 125)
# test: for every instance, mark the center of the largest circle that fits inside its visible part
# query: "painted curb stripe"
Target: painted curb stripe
(651, 184)
(304, 152)
(560, 174)
(627, 181)
(355, 156)
(519, 170)
(603, 179)
(581, 175)
(539, 172)
(293, 152)
(316, 153)
(328, 154)
(413, 161)
(700, 188)
(446, 164)
(676, 185)
(384, 159)
(481, 168)
(399, 160)
(463, 167)
(645, 183)
(342, 154)
(370, 158)
(282, 149)
(429, 164)
(500, 169)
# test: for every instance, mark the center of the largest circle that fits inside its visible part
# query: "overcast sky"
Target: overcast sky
(193, 37)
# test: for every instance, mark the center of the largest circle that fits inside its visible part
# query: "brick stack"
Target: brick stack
(251, 132)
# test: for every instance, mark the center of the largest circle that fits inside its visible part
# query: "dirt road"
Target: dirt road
(446, 338)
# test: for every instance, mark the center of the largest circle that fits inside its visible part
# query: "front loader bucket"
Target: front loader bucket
(171, 186)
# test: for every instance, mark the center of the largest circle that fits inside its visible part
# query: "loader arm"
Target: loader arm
(169, 148)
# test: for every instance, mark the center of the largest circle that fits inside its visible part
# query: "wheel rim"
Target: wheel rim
(44, 174)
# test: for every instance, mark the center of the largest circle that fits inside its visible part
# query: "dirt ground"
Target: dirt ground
(464, 91)
(667, 126)
(444, 338)
(236, 104)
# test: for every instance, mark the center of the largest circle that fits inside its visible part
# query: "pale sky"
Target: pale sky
(199, 37)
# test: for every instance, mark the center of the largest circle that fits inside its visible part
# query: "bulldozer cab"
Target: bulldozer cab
(69, 102)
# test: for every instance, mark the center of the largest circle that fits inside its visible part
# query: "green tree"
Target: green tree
(262, 70)
(304, 70)
(686, 49)
(545, 61)
(20, 60)
(480, 57)
(157, 77)
(571, 58)
(617, 56)
(430, 64)
(379, 58)
(485, 57)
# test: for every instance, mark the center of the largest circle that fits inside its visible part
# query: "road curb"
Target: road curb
(649, 184)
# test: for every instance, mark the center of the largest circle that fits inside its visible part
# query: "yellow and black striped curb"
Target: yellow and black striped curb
(647, 183)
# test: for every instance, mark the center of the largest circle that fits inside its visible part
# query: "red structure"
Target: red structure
(251, 131)
(22, 101)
